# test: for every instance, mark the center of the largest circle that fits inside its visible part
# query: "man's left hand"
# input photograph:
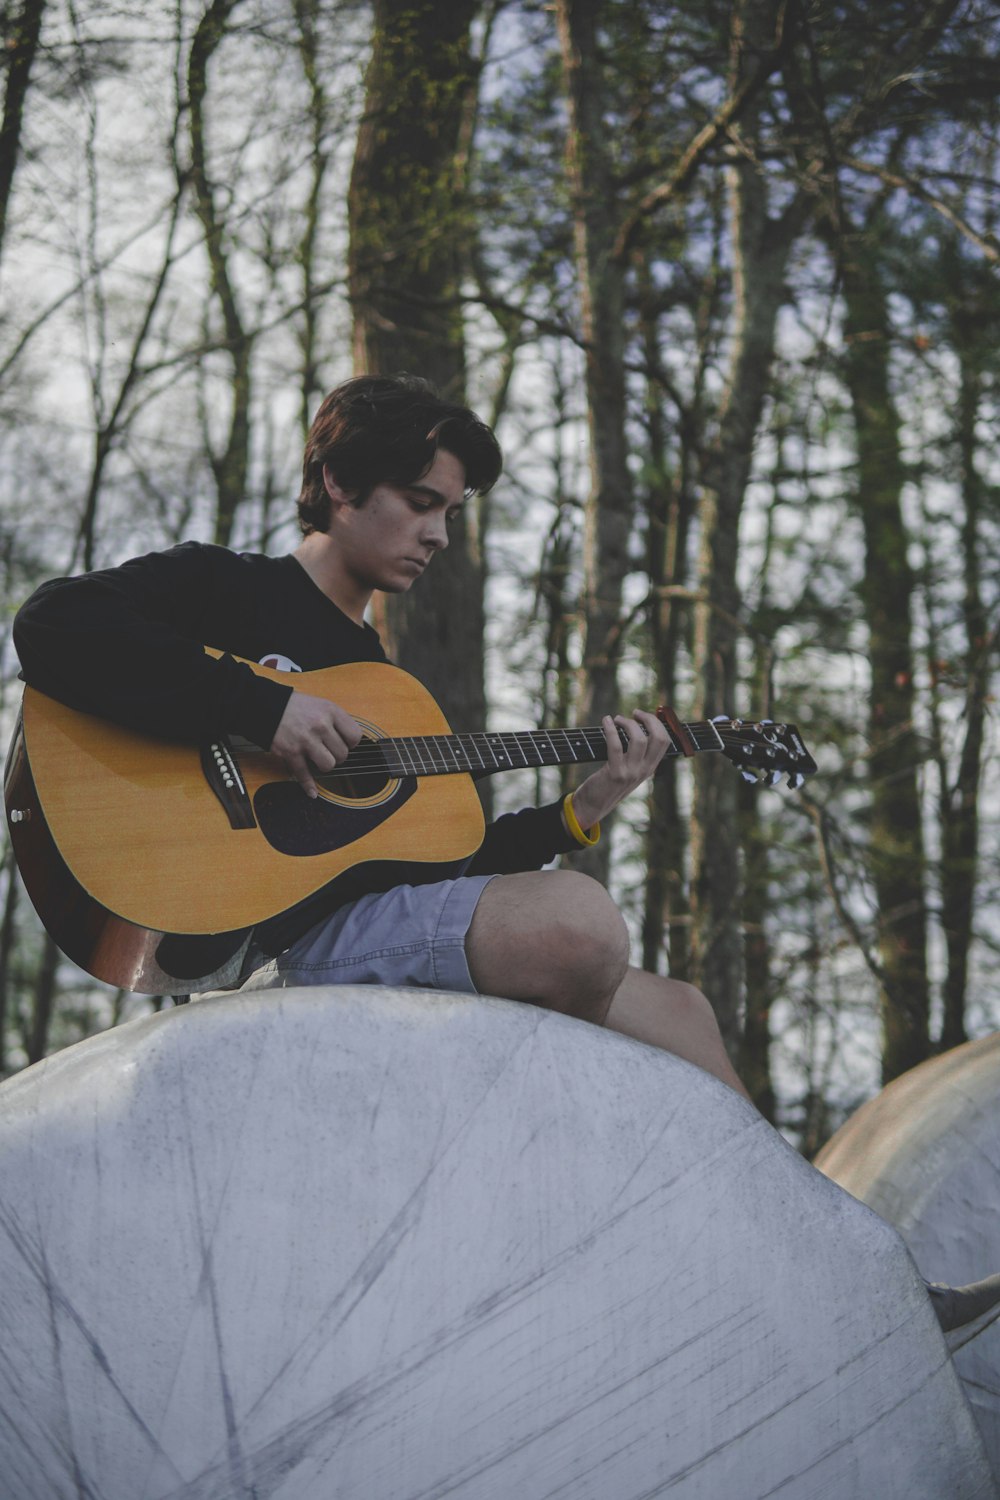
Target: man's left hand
(628, 766)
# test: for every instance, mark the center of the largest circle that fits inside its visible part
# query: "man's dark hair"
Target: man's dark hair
(386, 429)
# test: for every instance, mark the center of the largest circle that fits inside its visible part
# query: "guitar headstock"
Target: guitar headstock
(765, 747)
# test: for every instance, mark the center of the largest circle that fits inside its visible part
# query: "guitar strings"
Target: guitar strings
(592, 738)
(443, 751)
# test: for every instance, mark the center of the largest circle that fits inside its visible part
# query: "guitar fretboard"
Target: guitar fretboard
(483, 753)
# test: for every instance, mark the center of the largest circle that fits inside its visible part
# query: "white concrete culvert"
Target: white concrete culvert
(356, 1242)
(925, 1155)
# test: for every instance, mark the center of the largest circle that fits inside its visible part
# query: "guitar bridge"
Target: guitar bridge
(223, 775)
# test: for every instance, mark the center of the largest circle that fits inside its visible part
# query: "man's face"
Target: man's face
(387, 541)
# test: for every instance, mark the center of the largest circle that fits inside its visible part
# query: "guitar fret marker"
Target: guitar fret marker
(498, 750)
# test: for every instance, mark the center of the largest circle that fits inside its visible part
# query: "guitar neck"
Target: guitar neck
(482, 753)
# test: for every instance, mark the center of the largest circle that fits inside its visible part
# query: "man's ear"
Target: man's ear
(337, 495)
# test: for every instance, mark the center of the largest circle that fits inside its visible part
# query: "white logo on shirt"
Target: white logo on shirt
(279, 663)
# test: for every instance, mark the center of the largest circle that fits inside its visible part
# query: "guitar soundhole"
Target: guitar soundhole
(368, 788)
(364, 789)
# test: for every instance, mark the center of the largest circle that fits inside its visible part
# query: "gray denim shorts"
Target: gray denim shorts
(411, 935)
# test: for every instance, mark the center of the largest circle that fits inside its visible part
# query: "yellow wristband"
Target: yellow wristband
(573, 824)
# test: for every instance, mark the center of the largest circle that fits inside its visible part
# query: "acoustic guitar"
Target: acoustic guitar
(123, 840)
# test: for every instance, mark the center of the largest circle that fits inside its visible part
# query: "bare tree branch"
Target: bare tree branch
(984, 241)
(719, 125)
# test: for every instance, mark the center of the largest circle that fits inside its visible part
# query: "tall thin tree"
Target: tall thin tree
(230, 464)
(408, 251)
(20, 48)
(601, 283)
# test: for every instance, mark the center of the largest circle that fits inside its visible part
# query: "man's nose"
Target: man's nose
(435, 529)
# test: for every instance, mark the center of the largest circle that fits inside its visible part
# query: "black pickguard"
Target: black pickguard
(296, 824)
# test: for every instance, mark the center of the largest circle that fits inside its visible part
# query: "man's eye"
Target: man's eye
(452, 516)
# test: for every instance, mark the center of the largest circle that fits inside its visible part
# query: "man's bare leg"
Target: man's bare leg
(555, 938)
(673, 1015)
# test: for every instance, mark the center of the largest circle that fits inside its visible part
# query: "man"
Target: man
(388, 465)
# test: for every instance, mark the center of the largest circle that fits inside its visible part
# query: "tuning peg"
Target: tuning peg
(772, 778)
(720, 719)
(748, 776)
(795, 780)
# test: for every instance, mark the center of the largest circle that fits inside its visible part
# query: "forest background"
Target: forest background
(723, 275)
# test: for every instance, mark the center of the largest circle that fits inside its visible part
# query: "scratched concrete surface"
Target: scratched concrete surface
(925, 1154)
(360, 1244)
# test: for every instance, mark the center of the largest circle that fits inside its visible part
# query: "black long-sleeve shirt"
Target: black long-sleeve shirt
(127, 643)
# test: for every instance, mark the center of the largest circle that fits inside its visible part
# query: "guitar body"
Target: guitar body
(121, 838)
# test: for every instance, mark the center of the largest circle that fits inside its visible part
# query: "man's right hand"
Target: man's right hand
(313, 735)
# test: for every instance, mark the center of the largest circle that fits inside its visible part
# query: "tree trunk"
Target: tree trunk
(601, 279)
(760, 253)
(229, 466)
(307, 19)
(8, 940)
(37, 1040)
(20, 45)
(755, 1043)
(408, 251)
(671, 504)
(959, 803)
(897, 846)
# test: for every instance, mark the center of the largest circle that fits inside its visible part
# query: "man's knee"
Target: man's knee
(552, 936)
(589, 939)
(691, 1005)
